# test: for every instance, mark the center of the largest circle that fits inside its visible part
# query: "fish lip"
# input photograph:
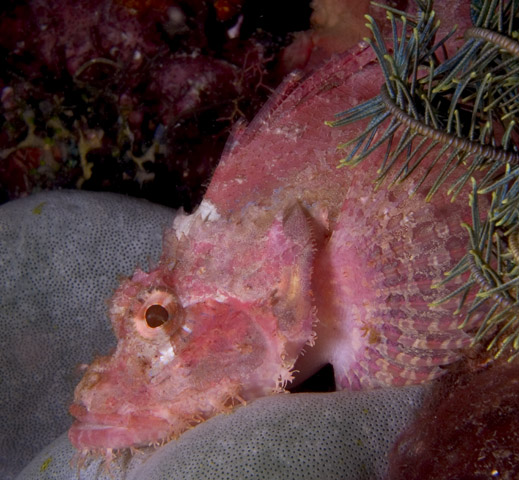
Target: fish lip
(115, 431)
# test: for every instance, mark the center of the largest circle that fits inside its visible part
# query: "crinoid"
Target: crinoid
(459, 116)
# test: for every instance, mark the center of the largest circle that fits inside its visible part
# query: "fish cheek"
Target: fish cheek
(228, 343)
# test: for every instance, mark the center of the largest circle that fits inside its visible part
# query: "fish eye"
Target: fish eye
(156, 316)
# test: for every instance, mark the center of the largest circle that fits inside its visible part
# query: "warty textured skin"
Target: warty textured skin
(283, 247)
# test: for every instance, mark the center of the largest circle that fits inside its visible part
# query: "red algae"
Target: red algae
(468, 428)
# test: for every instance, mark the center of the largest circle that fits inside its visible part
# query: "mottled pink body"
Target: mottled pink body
(285, 246)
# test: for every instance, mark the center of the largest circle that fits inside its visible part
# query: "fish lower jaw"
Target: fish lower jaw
(90, 436)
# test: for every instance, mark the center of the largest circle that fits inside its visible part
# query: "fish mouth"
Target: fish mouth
(115, 431)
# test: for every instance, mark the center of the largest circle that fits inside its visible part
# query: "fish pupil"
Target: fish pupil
(156, 316)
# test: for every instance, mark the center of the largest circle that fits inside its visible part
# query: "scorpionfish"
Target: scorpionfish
(288, 264)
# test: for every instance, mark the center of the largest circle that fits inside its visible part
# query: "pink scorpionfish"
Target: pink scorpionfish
(287, 254)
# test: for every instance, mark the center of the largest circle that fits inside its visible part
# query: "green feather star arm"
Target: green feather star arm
(493, 264)
(467, 106)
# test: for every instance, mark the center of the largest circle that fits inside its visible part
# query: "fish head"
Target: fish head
(192, 343)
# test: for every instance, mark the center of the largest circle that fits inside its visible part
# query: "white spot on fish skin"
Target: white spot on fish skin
(290, 133)
(182, 225)
(187, 329)
(205, 211)
(220, 297)
(208, 211)
(166, 355)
